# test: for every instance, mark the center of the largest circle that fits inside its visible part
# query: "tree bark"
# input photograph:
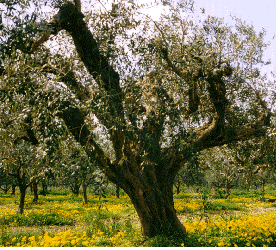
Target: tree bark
(227, 191)
(155, 208)
(177, 186)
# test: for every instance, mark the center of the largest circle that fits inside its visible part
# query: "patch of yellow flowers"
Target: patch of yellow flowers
(250, 230)
(69, 238)
(183, 206)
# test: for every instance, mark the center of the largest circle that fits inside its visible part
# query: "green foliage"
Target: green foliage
(223, 206)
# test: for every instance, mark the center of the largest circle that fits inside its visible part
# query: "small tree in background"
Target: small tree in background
(191, 174)
(222, 172)
(74, 169)
(22, 163)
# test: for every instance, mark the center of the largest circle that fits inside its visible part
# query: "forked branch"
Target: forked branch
(46, 35)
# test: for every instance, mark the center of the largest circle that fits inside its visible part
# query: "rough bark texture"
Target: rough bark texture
(155, 208)
(143, 169)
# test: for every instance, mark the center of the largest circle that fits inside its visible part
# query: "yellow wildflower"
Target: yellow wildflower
(221, 244)
(85, 243)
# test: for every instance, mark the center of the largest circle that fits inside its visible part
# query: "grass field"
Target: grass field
(62, 220)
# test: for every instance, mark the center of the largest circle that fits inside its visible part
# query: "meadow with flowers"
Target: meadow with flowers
(61, 220)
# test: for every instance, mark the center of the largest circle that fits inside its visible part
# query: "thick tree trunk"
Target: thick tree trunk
(228, 187)
(153, 201)
(156, 212)
(227, 192)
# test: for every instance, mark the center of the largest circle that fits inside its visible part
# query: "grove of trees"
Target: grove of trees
(105, 85)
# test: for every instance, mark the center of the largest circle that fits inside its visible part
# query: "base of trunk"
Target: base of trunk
(157, 213)
(171, 227)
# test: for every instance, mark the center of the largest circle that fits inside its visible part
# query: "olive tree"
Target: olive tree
(74, 170)
(192, 174)
(223, 171)
(21, 162)
(159, 90)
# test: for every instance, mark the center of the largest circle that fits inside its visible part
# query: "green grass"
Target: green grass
(34, 219)
(223, 206)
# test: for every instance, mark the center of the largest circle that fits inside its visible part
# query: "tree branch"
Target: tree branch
(67, 76)
(78, 5)
(30, 135)
(207, 137)
(40, 41)
(70, 19)
(191, 78)
(74, 121)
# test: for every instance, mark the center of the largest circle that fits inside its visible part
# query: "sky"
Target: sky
(259, 13)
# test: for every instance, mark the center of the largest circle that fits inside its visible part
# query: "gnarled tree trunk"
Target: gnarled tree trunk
(155, 208)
